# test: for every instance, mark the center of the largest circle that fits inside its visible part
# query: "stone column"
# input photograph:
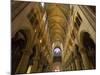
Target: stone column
(77, 60)
(78, 63)
(22, 67)
(36, 61)
(34, 66)
(73, 61)
(40, 68)
(86, 62)
(70, 67)
(73, 65)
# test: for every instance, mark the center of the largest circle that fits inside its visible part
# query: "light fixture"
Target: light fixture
(40, 41)
(35, 30)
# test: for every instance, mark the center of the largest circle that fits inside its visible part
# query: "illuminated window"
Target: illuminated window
(57, 52)
(78, 21)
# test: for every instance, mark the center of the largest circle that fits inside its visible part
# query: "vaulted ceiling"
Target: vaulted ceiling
(57, 18)
(50, 33)
(57, 21)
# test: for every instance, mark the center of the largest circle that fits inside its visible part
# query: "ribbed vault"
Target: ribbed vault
(57, 21)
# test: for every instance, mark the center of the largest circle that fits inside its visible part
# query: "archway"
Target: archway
(18, 42)
(88, 43)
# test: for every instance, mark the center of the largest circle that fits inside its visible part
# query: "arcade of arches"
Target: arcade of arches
(52, 37)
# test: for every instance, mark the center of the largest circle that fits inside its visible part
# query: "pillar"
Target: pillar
(78, 64)
(36, 61)
(22, 67)
(73, 65)
(86, 62)
(34, 66)
(70, 67)
(77, 59)
(40, 68)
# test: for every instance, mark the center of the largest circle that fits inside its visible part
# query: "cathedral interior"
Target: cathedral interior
(52, 37)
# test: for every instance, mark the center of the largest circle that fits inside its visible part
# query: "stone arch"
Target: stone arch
(19, 39)
(24, 35)
(27, 34)
(85, 36)
(19, 42)
(89, 45)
